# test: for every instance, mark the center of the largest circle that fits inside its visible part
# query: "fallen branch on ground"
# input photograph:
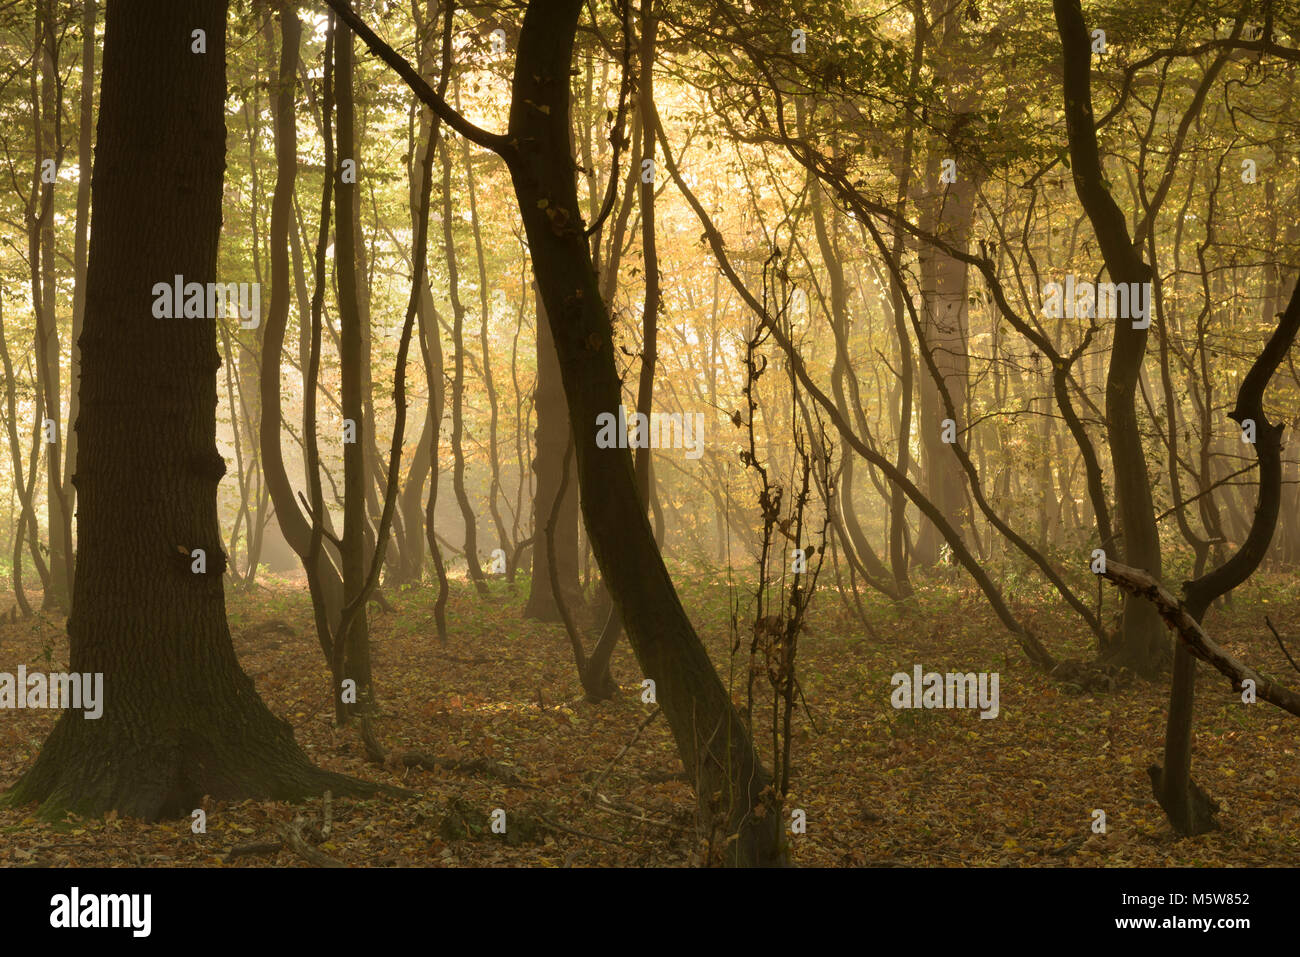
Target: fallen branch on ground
(294, 838)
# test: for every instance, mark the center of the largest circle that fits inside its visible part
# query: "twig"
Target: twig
(257, 847)
(640, 818)
(806, 710)
(594, 837)
(430, 762)
(327, 823)
(622, 751)
(1280, 645)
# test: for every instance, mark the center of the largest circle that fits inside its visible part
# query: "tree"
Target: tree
(548, 463)
(181, 719)
(732, 786)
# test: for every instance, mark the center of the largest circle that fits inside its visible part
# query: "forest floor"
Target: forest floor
(879, 786)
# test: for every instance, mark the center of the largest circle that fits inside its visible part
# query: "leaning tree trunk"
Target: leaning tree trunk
(180, 718)
(711, 737)
(733, 788)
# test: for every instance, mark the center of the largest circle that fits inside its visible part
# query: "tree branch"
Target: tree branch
(1137, 582)
(496, 142)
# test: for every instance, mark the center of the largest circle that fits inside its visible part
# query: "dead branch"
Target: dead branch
(591, 837)
(622, 751)
(294, 838)
(1137, 582)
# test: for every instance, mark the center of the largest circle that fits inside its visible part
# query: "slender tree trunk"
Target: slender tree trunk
(323, 577)
(1143, 645)
(27, 517)
(458, 385)
(81, 230)
(49, 146)
(494, 485)
(356, 478)
(548, 464)
(427, 315)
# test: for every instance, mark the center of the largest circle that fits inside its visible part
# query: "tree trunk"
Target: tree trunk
(81, 230)
(324, 579)
(472, 566)
(548, 464)
(711, 737)
(1142, 645)
(180, 718)
(355, 660)
(49, 146)
(494, 467)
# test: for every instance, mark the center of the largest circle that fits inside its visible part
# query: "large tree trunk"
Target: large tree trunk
(947, 211)
(180, 718)
(733, 788)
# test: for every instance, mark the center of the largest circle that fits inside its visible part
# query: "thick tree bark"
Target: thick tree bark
(180, 718)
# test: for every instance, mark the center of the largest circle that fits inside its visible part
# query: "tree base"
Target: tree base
(240, 752)
(1190, 818)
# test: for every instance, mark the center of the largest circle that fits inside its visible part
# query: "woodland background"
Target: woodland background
(828, 227)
